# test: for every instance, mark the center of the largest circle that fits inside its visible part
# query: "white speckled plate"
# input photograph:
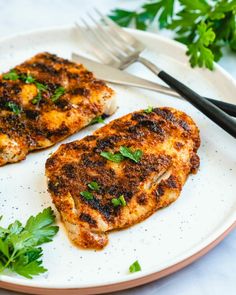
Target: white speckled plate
(168, 240)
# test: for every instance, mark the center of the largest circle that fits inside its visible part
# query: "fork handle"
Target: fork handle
(214, 113)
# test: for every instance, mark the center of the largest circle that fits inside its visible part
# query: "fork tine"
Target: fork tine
(104, 45)
(104, 57)
(113, 49)
(117, 39)
(125, 36)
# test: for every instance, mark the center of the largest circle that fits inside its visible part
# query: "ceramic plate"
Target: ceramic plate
(169, 239)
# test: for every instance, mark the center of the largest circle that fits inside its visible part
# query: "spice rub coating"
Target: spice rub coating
(168, 139)
(44, 100)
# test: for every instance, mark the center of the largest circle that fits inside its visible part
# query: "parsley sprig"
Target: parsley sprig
(205, 26)
(123, 153)
(19, 245)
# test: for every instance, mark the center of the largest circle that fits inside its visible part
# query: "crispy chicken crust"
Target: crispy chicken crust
(42, 124)
(169, 140)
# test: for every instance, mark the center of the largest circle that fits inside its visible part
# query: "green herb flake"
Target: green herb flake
(94, 186)
(98, 119)
(135, 267)
(29, 79)
(87, 195)
(148, 110)
(133, 155)
(119, 201)
(117, 158)
(122, 200)
(37, 98)
(58, 93)
(115, 202)
(12, 75)
(19, 251)
(41, 88)
(13, 107)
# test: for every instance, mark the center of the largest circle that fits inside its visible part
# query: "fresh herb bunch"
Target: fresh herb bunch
(19, 246)
(204, 26)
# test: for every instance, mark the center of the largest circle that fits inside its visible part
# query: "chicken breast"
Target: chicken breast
(122, 173)
(44, 100)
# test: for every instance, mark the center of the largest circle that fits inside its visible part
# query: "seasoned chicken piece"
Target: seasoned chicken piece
(44, 100)
(98, 185)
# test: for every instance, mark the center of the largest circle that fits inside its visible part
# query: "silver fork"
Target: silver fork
(118, 48)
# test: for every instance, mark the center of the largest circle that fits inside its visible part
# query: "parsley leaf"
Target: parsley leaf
(41, 88)
(119, 202)
(13, 107)
(29, 79)
(199, 52)
(58, 93)
(135, 267)
(12, 75)
(146, 15)
(27, 264)
(19, 251)
(94, 186)
(98, 119)
(87, 195)
(123, 17)
(133, 155)
(148, 110)
(124, 152)
(117, 158)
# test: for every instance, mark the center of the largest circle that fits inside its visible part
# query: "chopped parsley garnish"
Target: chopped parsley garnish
(148, 110)
(19, 245)
(94, 186)
(28, 79)
(117, 158)
(98, 119)
(122, 200)
(115, 202)
(124, 152)
(12, 75)
(58, 93)
(119, 201)
(133, 155)
(135, 267)
(13, 107)
(87, 195)
(37, 98)
(41, 88)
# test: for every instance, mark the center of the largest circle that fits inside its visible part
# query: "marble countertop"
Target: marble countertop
(213, 274)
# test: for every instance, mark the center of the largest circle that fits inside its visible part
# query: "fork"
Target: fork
(118, 48)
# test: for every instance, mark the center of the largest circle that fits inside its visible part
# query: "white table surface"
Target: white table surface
(213, 274)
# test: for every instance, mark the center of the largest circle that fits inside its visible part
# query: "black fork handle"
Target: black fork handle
(214, 113)
(227, 107)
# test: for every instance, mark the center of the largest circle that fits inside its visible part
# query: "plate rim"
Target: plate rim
(140, 278)
(104, 289)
